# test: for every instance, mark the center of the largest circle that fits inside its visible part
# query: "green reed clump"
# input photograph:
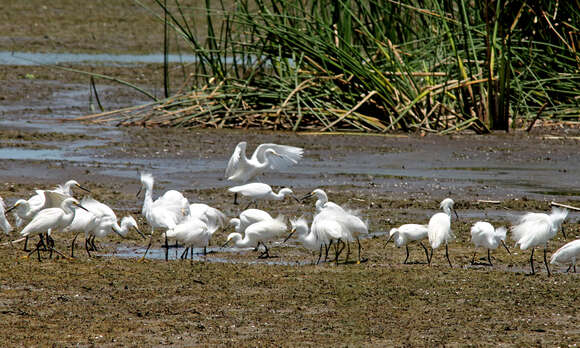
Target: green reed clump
(372, 66)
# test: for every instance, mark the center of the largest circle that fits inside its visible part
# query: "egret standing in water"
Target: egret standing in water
(259, 233)
(247, 218)
(484, 235)
(440, 228)
(51, 219)
(536, 229)
(409, 233)
(97, 222)
(567, 255)
(266, 157)
(192, 233)
(259, 191)
(164, 213)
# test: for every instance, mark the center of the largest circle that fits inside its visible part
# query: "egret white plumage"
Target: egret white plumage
(51, 219)
(536, 229)
(213, 218)
(440, 228)
(249, 217)
(259, 233)
(25, 210)
(191, 232)
(4, 224)
(165, 212)
(321, 201)
(307, 238)
(568, 254)
(266, 157)
(408, 233)
(484, 235)
(259, 191)
(97, 222)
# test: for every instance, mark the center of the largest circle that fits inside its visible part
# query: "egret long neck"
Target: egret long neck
(148, 201)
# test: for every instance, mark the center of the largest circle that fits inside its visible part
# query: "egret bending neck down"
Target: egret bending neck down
(308, 238)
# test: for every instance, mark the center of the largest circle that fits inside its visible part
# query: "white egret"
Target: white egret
(266, 157)
(164, 213)
(191, 232)
(567, 255)
(536, 229)
(308, 238)
(97, 222)
(50, 219)
(408, 233)
(484, 235)
(440, 228)
(25, 210)
(259, 232)
(213, 218)
(322, 200)
(259, 191)
(249, 217)
(4, 224)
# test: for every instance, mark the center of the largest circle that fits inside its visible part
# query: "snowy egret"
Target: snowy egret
(51, 219)
(567, 255)
(440, 228)
(266, 157)
(191, 232)
(536, 229)
(306, 237)
(259, 232)
(249, 217)
(98, 222)
(163, 213)
(213, 218)
(4, 224)
(340, 226)
(408, 233)
(260, 191)
(484, 235)
(322, 200)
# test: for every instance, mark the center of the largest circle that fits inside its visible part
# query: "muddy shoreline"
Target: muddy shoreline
(229, 297)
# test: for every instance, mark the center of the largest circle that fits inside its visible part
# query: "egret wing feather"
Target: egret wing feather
(289, 155)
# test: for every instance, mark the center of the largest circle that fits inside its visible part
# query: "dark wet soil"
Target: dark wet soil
(231, 298)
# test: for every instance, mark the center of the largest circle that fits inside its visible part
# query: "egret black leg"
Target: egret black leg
(532, 261)
(148, 247)
(546, 263)
(319, 255)
(184, 254)
(236, 198)
(347, 252)
(447, 255)
(430, 257)
(26, 244)
(426, 251)
(489, 258)
(574, 268)
(569, 268)
(72, 245)
(87, 244)
(406, 258)
(359, 249)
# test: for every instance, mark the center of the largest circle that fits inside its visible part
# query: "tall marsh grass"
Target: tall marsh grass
(371, 66)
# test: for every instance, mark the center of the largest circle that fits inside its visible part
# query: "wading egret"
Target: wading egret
(567, 255)
(440, 228)
(307, 238)
(321, 200)
(51, 219)
(98, 222)
(408, 233)
(249, 217)
(266, 157)
(259, 191)
(25, 210)
(259, 232)
(164, 213)
(536, 229)
(4, 224)
(340, 226)
(485, 236)
(192, 233)
(213, 218)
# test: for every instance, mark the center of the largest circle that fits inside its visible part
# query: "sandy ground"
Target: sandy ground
(231, 298)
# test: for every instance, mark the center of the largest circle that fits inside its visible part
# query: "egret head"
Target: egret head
(146, 182)
(392, 234)
(232, 237)
(447, 206)
(18, 203)
(558, 216)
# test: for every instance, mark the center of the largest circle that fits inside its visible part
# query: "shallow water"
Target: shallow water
(29, 59)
